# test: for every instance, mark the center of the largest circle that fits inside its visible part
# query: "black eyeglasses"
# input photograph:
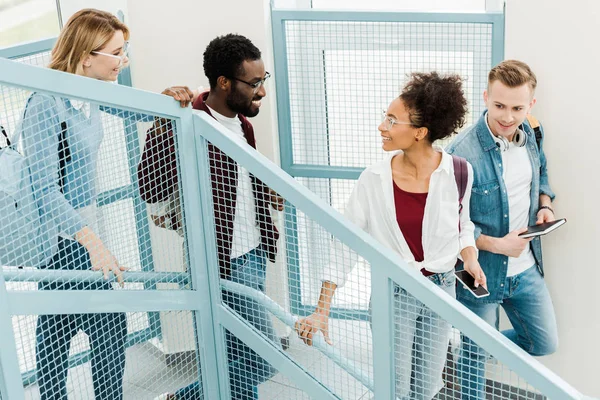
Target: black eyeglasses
(256, 85)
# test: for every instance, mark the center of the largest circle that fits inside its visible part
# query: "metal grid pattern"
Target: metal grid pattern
(312, 240)
(342, 74)
(140, 371)
(247, 369)
(101, 189)
(426, 360)
(434, 360)
(39, 59)
(95, 180)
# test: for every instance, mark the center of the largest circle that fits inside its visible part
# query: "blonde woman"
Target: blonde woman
(410, 203)
(61, 140)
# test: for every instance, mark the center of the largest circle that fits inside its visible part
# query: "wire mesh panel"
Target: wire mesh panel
(40, 59)
(426, 349)
(433, 360)
(312, 240)
(77, 193)
(104, 369)
(342, 74)
(247, 240)
(76, 206)
(340, 353)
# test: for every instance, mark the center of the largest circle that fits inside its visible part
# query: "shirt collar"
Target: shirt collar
(487, 124)
(80, 105)
(386, 164)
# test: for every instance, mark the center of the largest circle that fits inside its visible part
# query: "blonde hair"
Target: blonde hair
(513, 73)
(87, 30)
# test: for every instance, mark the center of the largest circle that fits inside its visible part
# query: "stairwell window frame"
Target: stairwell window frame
(313, 114)
(28, 21)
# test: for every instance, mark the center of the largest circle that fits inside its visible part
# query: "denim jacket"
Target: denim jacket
(489, 200)
(41, 127)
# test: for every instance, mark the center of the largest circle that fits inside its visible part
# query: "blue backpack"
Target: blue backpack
(20, 227)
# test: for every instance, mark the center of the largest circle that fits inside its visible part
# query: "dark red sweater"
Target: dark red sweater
(410, 209)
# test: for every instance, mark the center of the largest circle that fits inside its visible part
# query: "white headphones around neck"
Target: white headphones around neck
(519, 140)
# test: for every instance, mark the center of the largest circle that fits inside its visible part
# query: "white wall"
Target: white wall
(70, 7)
(559, 43)
(168, 43)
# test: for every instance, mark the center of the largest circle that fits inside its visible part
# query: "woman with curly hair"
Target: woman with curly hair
(410, 203)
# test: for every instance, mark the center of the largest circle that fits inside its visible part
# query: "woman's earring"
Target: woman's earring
(416, 139)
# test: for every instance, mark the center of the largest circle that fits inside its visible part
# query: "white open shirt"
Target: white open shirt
(371, 207)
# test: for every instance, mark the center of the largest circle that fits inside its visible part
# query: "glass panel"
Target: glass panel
(24, 21)
(342, 74)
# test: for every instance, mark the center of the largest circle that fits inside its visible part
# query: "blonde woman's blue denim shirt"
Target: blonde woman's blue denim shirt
(489, 199)
(41, 128)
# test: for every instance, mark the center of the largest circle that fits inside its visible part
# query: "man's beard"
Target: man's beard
(240, 104)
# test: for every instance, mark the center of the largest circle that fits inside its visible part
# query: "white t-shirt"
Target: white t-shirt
(246, 235)
(517, 175)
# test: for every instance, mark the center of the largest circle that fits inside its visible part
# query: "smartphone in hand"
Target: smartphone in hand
(469, 282)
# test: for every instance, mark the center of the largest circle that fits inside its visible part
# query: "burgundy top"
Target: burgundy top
(410, 208)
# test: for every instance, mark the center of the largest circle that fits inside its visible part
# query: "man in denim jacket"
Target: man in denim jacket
(510, 192)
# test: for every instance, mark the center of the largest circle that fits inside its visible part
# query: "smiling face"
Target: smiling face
(103, 66)
(242, 98)
(397, 132)
(507, 107)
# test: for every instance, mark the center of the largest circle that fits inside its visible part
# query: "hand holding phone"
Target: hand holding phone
(469, 282)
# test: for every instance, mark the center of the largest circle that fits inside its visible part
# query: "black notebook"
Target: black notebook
(542, 229)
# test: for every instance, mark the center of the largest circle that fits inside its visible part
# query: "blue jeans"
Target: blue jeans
(528, 305)
(246, 368)
(107, 333)
(420, 342)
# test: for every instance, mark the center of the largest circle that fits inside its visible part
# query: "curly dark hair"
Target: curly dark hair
(435, 102)
(225, 55)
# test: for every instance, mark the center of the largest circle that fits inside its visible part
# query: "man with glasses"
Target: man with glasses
(245, 234)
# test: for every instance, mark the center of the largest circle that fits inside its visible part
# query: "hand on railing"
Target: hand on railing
(100, 257)
(309, 326)
(319, 320)
(182, 94)
(276, 200)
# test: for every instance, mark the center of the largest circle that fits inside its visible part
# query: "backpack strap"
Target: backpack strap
(461, 175)
(5, 136)
(64, 154)
(535, 125)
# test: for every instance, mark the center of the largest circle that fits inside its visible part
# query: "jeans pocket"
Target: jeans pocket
(449, 279)
(249, 271)
(444, 279)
